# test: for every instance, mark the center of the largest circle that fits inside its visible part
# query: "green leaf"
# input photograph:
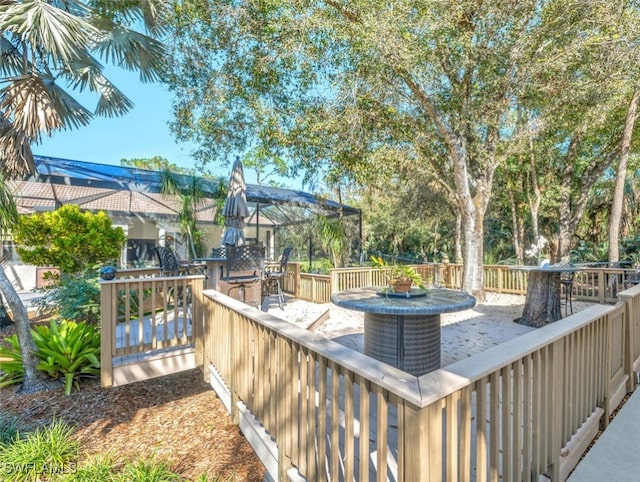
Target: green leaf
(68, 383)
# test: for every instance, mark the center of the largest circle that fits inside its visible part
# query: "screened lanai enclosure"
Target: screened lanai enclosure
(134, 200)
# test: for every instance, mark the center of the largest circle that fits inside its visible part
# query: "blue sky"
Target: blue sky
(143, 132)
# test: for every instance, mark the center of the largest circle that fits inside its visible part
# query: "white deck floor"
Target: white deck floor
(463, 334)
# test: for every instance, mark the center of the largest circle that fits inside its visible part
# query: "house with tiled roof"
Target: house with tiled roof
(133, 199)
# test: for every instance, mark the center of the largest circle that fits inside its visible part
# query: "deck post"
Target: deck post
(629, 323)
(296, 281)
(107, 339)
(557, 385)
(236, 366)
(334, 286)
(415, 446)
(197, 319)
(602, 288)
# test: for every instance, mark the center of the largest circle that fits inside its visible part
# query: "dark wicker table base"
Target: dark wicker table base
(411, 343)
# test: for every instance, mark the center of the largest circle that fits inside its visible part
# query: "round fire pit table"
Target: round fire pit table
(404, 330)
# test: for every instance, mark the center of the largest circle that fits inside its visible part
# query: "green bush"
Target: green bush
(8, 429)
(67, 350)
(147, 471)
(40, 454)
(44, 239)
(11, 362)
(74, 298)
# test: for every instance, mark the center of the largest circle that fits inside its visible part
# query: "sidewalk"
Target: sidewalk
(615, 454)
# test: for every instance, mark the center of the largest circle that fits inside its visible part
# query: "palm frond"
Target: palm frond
(133, 51)
(72, 113)
(38, 105)
(8, 210)
(196, 188)
(83, 74)
(74, 7)
(59, 34)
(11, 59)
(16, 157)
(112, 101)
(152, 13)
(27, 104)
(169, 182)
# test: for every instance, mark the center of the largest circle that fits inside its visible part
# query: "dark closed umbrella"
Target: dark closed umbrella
(235, 207)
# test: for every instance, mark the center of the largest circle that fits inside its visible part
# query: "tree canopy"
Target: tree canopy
(447, 92)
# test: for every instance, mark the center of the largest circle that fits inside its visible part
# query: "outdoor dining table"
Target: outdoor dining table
(400, 330)
(542, 302)
(215, 267)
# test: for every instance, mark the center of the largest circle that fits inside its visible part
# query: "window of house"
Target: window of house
(140, 253)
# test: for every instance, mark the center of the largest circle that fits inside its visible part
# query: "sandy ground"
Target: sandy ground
(463, 333)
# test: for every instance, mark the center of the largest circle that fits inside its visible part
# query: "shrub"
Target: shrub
(67, 350)
(44, 452)
(147, 471)
(74, 298)
(8, 429)
(98, 468)
(11, 362)
(43, 239)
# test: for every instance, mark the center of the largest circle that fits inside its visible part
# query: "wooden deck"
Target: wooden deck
(483, 328)
(500, 407)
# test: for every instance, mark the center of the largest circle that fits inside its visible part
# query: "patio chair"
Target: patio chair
(566, 281)
(169, 264)
(632, 280)
(244, 268)
(218, 252)
(272, 282)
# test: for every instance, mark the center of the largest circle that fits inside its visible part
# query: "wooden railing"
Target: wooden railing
(599, 285)
(146, 314)
(526, 408)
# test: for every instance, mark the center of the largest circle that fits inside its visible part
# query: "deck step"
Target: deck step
(139, 367)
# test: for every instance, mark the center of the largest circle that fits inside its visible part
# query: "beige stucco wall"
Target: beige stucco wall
(24, 277)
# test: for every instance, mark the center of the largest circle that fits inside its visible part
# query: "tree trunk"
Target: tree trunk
(5, 319)
(618, 193)
(516, 228)
(536, 199)
(542, 305)
(34, 380)
(458, 248)
(473, 281)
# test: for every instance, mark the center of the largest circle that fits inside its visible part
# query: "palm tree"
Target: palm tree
(191, 191)
(47, 49)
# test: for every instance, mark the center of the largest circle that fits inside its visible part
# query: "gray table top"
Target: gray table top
(435, 302)
(548, 268)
